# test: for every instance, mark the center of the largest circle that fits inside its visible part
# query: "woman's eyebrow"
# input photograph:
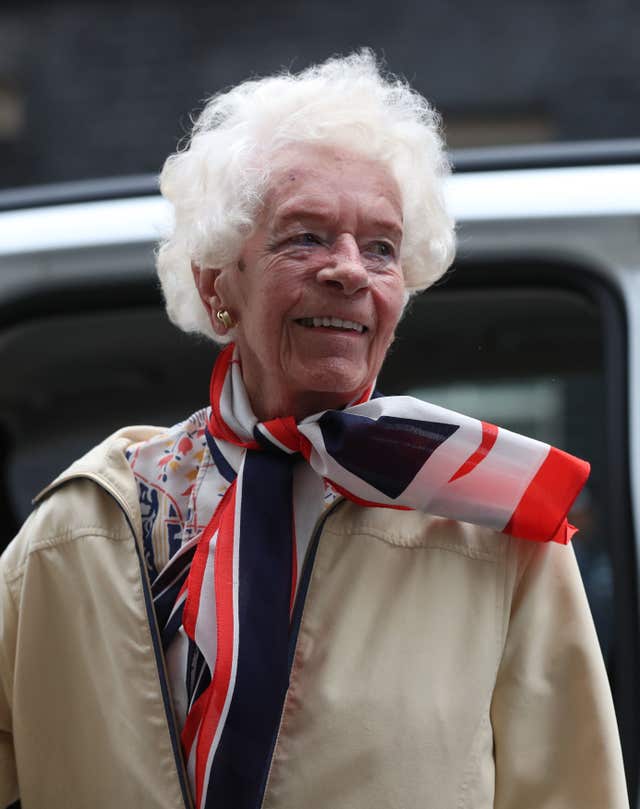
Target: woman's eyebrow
(386, 226)
(300, 213)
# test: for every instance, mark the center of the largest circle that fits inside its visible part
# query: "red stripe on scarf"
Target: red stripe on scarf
(489, 438)
(285, 431)
(192, 723)
(217, 425)
(198, 565)
(305, 447)
(216, 694)
(540, 514)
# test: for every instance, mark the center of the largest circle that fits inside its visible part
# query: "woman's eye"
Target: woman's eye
(306, 239)
(383, 249)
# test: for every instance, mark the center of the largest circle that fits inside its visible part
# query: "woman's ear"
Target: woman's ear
(205, 280)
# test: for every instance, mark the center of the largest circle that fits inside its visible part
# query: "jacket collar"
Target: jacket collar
(107, 465)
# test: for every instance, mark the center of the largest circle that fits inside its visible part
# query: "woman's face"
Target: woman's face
(319, 288)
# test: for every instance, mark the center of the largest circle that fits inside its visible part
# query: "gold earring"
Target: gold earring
(225, 318)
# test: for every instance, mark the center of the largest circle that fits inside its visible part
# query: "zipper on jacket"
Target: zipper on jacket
(162, 674)
(155, 636)
(296, 621)
(305, 578)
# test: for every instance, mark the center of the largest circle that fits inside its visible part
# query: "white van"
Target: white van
(537, 328)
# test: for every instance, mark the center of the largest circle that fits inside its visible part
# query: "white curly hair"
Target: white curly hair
(217, 181)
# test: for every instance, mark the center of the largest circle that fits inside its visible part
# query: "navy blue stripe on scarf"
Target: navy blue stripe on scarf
(223, 466)
(265, 567)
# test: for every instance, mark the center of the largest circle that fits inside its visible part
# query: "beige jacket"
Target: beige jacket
(437, 665)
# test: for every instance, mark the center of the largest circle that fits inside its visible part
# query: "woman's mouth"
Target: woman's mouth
(331, 323)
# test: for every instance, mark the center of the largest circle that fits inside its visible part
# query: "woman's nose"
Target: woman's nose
(345, 269)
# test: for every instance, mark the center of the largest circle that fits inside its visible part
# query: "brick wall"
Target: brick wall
(99, 89)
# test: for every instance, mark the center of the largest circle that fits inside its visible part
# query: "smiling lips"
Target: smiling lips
(331, 322)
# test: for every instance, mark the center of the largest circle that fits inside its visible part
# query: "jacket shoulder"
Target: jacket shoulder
(96, 496)
(417, 529)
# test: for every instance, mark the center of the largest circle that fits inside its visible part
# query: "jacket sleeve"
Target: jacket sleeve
(8, 630)
(556, 741)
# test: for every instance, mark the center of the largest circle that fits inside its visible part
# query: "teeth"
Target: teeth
(332, 322)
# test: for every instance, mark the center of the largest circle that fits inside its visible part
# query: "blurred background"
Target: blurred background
(100, 89)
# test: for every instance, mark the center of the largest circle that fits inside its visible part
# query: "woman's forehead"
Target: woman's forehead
(320, 181)
(300, 161)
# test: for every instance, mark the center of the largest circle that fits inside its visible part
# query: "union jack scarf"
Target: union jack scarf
(231, 588)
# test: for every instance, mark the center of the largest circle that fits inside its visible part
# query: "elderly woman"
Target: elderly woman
(305, 595)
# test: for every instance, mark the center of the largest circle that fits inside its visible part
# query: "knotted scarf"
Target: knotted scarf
(232, 588)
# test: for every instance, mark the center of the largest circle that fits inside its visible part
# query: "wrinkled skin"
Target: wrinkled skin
(326, 244)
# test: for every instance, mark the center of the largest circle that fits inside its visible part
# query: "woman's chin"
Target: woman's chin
(330, 383)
